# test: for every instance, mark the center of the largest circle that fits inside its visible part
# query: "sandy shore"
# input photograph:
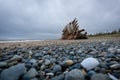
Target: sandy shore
(58, 59)
(32, 43)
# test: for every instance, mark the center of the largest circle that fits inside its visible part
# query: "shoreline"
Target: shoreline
(33, 43)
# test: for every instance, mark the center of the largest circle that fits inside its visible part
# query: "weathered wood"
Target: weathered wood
(72, 32)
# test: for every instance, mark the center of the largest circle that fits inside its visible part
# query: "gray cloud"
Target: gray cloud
(45, 19)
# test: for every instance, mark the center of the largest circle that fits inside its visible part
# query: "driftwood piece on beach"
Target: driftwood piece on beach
(72, 32)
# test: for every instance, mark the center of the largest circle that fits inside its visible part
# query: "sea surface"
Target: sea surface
(13, 41)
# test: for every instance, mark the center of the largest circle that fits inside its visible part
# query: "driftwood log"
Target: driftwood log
(72, 32)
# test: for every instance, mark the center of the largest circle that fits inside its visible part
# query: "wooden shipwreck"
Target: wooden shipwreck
(72, 32)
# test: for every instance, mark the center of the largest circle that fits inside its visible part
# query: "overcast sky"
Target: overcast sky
(45, 19)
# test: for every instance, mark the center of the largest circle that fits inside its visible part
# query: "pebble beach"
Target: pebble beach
(89, 59)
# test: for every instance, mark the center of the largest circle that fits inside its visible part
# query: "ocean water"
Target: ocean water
(13, 41)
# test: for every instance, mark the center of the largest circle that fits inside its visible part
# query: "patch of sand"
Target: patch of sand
(33, 43)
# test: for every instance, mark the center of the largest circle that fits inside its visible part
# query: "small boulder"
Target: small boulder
(89, 63)
(13, 73)
(3, 64)
(57, 68)
(100, 76)
(31, 73)
(59, 77)
(75, 74)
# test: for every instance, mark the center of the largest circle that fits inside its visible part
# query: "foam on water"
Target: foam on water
(13, 41)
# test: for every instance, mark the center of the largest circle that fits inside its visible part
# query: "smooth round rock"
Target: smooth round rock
(42, 67)
(118, 51)
(75, 66)
(45, 48)
(90, 73)
(69, 62)
(47, 62)
(15, 58)
(100, 76)
(79, 51)
(12, 63)
(31, 73)
(72, 53)
(75, 74)
(57, 68)
(112, 50)
(3, 64)
(38, 54)
(30, 52)
(33, 61)
(13, 73)
(89, 63)
(59, 77)
(47, 70)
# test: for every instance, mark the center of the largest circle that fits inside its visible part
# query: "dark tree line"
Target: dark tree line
(106, 33)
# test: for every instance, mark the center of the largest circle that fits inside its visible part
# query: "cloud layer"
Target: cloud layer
(45, 19)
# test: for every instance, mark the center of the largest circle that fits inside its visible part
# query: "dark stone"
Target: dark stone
(75, 66)
(100, 76)
(31, 73)
(75, 74)
(38, 55)
(47, 70)
(116, 74)
(45, 48)
(115, 66)
(13, 73)
(57, 68)
(90, 73)
(59, 77)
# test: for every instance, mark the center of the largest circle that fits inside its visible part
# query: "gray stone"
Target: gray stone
(45, 48)
(42, 67)
(59, 77)
(75, 74)
(72, 53)
(33, 61)
(90, 73)
(31, 73)
(13, 73)
(47, 62)
(115, 66)
(79, 51)
(60, 49)
(112, 50)
(15, 58)
(93, 52)
(75, 66)
(100, 76)
(53, 60)
(34, 79)
(118, 51)
(50, 74)
(30, 52)
(3, 64)
(112, 77)
(103, 43)
(38, 55)
(57, 68)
